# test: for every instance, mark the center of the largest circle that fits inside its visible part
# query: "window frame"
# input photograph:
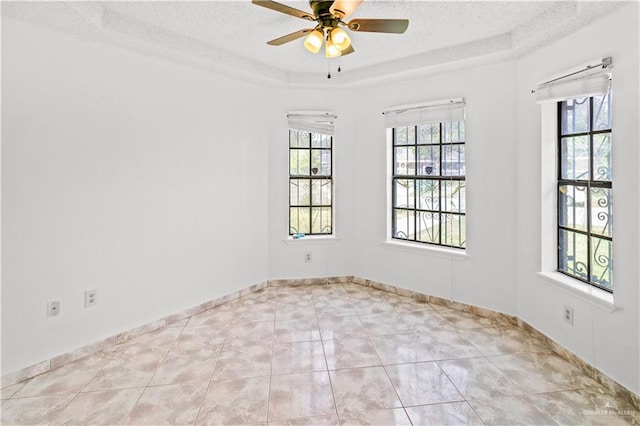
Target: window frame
(417, 178)
(311, 177)
(588, 184)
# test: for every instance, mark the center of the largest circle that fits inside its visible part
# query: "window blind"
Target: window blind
(594, 84)
(315, 122)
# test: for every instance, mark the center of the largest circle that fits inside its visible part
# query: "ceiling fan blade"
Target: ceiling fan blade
(396, 26)
(347, 51)
(289, 37)
(278, 7)
(344, 8)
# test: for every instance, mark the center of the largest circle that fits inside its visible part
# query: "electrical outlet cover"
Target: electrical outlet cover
(53, 309)
(567, 314)
(90, 298)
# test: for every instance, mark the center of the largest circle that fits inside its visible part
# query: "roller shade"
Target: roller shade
(432, 112)
(314, 122)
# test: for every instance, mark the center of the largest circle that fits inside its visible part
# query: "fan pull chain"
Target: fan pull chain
(329, 68)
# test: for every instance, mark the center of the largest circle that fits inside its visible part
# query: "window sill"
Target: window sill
(312, 239)
(429, 250)
(595, 296)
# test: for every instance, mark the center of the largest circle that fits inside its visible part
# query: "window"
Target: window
(428, 183)
(584, 190)
(310, 182)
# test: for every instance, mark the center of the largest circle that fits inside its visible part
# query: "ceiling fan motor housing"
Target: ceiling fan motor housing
(321, 7)
(322, 12)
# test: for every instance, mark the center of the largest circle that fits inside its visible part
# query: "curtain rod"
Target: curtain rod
(606, 63)
(437, 104)
(311, 113)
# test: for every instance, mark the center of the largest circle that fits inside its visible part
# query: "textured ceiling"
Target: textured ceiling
(231, 36)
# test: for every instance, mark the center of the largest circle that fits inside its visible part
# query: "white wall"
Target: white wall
(487, 276)
(607, 340)
(134, 176)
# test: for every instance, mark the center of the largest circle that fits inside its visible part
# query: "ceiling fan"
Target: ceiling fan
(329, 15)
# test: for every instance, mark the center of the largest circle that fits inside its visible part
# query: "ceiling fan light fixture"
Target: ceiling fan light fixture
(340, 38)
(313, 42)
(330, 50)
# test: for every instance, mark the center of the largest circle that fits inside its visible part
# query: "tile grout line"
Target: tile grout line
(464, 398)
(204, 397)
(65, 407)
(165, 357)
(83, 388)
(326, 363)
(402, 404)
(384, 368)
(386, 372)
(152, 376)
(273, 336)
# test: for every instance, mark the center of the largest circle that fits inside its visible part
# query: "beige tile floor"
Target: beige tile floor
(320, 355)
